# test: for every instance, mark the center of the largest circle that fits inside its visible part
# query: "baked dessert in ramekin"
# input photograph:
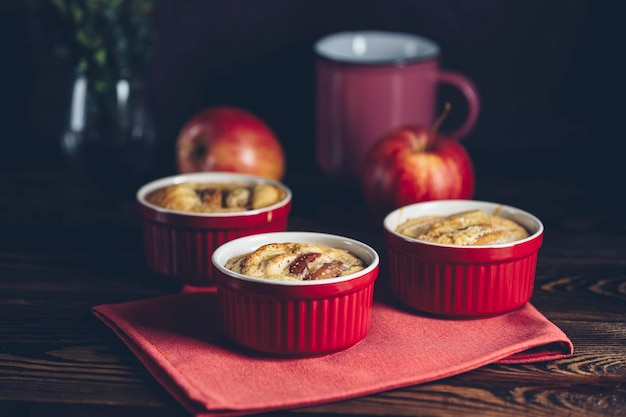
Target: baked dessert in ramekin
(480, 260)
(296, 261)
(284, 313)
(185, 217)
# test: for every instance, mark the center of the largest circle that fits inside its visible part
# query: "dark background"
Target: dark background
(549, 72)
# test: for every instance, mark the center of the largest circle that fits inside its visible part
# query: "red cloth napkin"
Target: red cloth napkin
(177, 338)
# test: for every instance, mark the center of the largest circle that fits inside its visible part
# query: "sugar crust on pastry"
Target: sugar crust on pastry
(468, 228)
(216, 197)
(295, 262)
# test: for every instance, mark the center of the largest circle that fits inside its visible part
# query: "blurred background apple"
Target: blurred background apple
(229, 139)
(413, 164)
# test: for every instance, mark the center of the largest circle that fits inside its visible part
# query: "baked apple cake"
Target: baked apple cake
(296, 262)
(468, 228)
(216, 198)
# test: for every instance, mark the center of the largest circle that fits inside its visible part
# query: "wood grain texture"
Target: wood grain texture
(66, 247)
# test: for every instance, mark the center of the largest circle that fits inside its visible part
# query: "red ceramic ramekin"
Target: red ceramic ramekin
(295, 318)
(179, 245)
(462, 281)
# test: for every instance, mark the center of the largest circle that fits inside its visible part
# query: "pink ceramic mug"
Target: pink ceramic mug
(369, 82)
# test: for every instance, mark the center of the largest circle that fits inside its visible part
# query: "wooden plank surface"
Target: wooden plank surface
(66, 247)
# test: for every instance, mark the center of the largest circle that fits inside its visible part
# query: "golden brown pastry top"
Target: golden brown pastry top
(296, 262)
(468, 228)
(216, 197)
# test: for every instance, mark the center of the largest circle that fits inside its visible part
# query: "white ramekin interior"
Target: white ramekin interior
(250, 243)
(216, 177)
(447, 207)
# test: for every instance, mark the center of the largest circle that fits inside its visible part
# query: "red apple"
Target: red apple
(413, 164)
(229, 139)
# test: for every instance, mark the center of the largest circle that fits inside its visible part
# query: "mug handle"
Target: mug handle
(469, 90)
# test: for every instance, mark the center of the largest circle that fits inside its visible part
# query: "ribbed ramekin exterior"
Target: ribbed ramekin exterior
(179, 245)
(461, 289)
(296, 327)
(185, 254)
(462, 281)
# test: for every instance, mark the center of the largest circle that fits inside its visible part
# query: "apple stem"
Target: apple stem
(435, 127)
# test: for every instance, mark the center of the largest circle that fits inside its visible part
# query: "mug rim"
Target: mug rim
(417, 48)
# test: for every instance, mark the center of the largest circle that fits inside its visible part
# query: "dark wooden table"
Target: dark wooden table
(65, 247)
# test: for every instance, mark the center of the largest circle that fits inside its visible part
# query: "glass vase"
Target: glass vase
(110, 136)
